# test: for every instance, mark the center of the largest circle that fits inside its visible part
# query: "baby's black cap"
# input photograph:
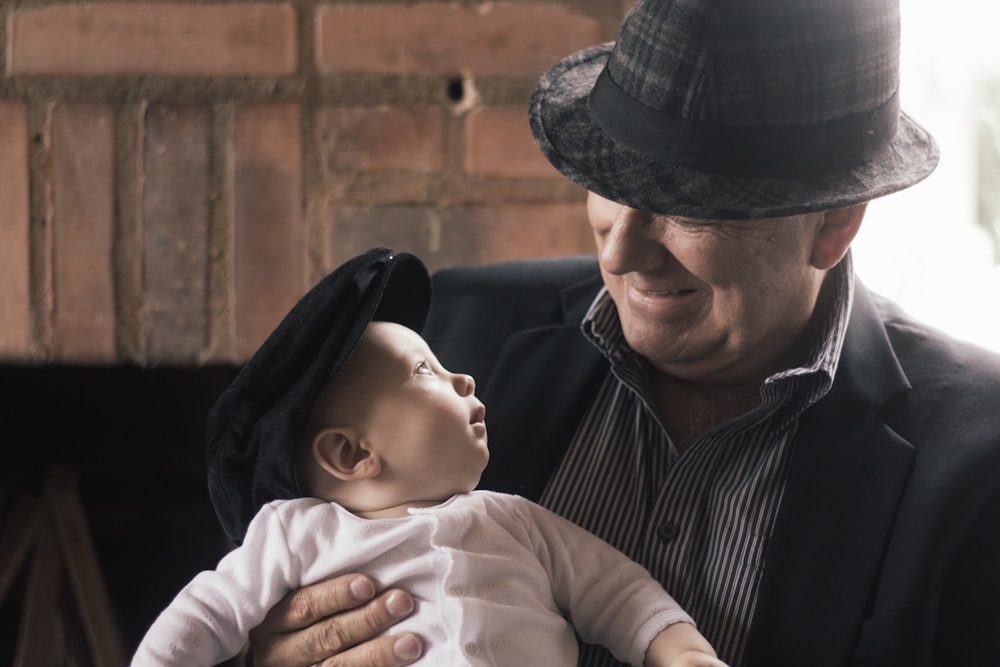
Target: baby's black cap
(255, 429)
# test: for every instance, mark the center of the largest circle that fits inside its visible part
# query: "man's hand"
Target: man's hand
(332, 623)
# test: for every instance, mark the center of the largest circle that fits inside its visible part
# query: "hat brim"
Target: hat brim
(577, 146)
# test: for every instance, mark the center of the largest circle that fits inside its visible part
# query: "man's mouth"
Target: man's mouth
(654, 292)
(661, 301)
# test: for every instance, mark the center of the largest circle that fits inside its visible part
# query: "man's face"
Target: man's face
(720, 301)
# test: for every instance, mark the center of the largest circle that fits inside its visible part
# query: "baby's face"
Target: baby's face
(424, 420)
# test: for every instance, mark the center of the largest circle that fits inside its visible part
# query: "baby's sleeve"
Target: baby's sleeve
(209, 621)
(610, 599)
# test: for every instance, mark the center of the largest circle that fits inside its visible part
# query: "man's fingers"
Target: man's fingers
(303, 607)
(393, 651)
(352, 627)
(309, 640)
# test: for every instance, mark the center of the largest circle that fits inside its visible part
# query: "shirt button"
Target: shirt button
(472, 649)
(457, 590)
(667, 531)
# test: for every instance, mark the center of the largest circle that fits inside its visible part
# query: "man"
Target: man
(811, 473)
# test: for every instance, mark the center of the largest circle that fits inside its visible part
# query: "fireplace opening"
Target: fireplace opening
(133, 440)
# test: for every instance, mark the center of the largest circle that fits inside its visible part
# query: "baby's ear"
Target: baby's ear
(342, 453)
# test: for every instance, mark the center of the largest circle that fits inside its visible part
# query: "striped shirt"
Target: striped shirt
(699, 520)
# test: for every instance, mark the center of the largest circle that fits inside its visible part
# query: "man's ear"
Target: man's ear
(342, 453)
(834, 236)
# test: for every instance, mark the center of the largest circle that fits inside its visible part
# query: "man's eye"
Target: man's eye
(691, 223)
(424, 369)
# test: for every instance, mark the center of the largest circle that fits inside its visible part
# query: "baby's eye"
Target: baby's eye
(423, 369)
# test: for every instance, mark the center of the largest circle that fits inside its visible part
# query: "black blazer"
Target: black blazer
(886, 547)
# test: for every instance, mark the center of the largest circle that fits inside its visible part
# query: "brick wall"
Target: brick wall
(174, 175)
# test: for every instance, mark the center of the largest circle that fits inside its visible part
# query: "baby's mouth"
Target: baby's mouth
(478, 415)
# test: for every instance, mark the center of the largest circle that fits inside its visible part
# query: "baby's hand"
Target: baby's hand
(696, 659)
(681, 645)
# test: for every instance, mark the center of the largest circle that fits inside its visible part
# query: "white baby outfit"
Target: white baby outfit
(490, 573)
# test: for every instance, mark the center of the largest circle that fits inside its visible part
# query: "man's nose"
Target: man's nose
(630, 244)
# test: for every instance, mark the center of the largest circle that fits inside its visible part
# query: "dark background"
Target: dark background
(135, 440)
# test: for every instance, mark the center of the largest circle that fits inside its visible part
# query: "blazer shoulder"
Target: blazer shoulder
(930, 356)
(950, 409)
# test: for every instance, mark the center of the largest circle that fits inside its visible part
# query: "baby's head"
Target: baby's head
(257, 429)
(393, 428)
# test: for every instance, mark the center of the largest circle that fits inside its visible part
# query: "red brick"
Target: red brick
(154, 38)
(382, 139)
(462, 235)
(497, 233)
(82, 180)
(270, 252)
(175, 203)
(498, 142)
(15, 263)
(444, 38)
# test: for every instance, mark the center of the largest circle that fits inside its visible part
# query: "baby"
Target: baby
(383, 467)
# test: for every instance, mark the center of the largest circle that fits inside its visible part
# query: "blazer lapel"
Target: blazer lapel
(846, 475)
(543, 382)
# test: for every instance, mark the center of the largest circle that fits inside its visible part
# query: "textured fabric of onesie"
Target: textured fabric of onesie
(494, 576)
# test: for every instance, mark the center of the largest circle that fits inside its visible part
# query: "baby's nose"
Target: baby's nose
(465, 384)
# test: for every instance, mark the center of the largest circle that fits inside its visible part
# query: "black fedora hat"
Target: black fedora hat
(736, 109)
(255, 428)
